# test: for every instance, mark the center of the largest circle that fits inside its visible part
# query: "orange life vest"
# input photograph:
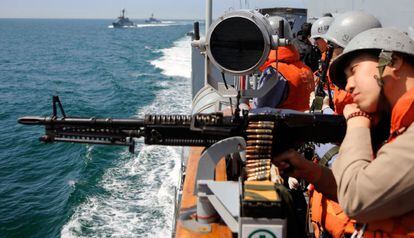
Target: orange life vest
(298, 75)
(327, 215)
(402, 117)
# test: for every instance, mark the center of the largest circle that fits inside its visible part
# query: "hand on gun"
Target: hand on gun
(293, 164)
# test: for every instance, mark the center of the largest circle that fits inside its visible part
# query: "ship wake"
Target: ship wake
(138, 197)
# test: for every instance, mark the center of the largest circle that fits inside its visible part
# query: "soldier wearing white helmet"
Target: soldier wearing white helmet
(346, 26)
(377, 67)
(327, 216)
(319, 28)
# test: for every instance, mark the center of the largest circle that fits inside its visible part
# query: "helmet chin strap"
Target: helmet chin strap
(385, 59)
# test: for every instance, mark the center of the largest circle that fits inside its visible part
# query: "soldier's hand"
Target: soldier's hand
(293, 164)
(358, 121)
(350, 108)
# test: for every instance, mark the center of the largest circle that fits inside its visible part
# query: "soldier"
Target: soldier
(377, 67)
(309, 54)
(295, 78)
(345, 27)
(319, 28)
(327, 216)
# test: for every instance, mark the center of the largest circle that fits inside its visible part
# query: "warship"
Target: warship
(227, 187)
(122, 21)
(152, 20)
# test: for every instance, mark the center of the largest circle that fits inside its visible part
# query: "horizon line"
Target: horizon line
(65, 18)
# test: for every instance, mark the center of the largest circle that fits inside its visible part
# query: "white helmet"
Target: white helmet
(349, 24)
(321, 26)
(380, 39)
(274, 23)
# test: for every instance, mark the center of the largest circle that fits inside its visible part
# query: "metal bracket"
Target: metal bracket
(212, 155)
(247, 93)
(224, 199)
(207, 202)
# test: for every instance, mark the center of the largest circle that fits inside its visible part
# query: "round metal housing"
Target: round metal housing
(239, 42)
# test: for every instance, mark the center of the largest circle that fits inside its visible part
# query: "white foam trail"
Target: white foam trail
(154, 24)
(134, 26)
(163, 23)
(176, 61)
(139, 191)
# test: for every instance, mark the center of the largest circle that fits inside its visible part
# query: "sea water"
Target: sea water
(77, 190)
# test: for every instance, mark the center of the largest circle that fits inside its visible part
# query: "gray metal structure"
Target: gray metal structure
(199, 77)
(295, 16)
(397, 13)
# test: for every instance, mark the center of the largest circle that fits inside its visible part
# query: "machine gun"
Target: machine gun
(280, 128)
(324, 82)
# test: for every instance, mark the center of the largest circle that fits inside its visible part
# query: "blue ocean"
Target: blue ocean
(77, 190)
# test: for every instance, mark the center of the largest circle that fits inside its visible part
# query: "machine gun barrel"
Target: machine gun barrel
(181, 130)
(35, 120)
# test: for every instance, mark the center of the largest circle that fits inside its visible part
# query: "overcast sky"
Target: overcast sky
(110, 9)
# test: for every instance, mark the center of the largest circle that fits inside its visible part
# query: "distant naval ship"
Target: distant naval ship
(123, 21)
(152, 20)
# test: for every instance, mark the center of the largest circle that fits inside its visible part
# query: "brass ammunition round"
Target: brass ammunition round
(254, 160)
(258, 148)
(259, 136)
(249, 174)
(253, 166)
(257, 169)
(258, 151)
(259, 142)
(260, 126)
(249, 166)
(258, 156)
(259, 131)
(257, 161)
(258, 164)
(256, 178)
